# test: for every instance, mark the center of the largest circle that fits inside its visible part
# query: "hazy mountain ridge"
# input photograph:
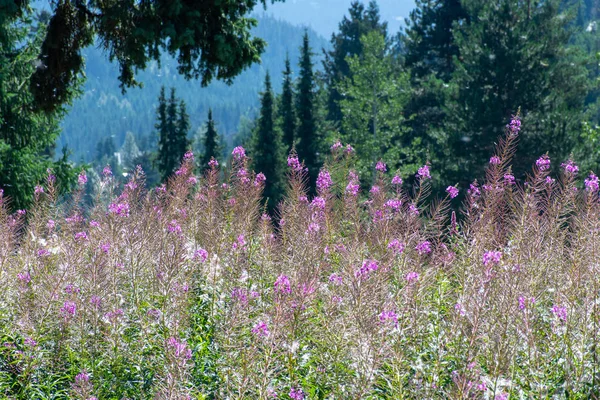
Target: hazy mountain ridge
(102, 110)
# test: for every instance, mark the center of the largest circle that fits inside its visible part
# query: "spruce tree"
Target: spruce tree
(163, 135)
(287, 116)
(182, 129)
(27, 138)
(129, 151)
(514, 55)
(211, 142)
(267, 148)
(346, 43)
(173, 126)
(372, 110)
(307, 137)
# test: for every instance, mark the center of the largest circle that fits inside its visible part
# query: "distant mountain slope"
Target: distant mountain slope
(103, 110)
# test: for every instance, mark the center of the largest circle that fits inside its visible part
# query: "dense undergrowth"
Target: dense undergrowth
(190, 291)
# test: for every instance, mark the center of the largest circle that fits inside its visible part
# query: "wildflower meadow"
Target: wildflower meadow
(362, 290)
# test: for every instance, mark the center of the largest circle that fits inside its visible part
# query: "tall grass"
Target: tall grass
(191, 291)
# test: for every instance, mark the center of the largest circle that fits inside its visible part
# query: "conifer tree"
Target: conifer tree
(129, 151)
(211, 142)
(287, 116)
(182, 129)
(267, 148)
(372, 110)
(173, 124)
(347, 43)
(307, 136)
(513, 55)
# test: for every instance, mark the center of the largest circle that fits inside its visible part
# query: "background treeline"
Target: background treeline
(440, 91)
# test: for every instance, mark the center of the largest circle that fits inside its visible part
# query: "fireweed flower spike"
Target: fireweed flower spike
(423, 248)
(514, 127)
(381, 167)
(238, 153)
(591, 183)
(423, 172)
(570, 167)
(495, 160)
(82, 178)
(452, 191)
(491, 257)
(543, 163)
(324, 181)
(294, 163)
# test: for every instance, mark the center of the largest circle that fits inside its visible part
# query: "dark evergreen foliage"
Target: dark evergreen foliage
(307, 135)
(211, 142)
(267, 149)
(286, 111)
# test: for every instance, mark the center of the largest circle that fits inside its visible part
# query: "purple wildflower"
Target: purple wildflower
(393, 204)
(107, 172)
(423, 172)
(592, 183)
(396, 246)
(543, 163)
(81, 236)
(452, 191)
(509, 179)
(491, 257)
(239, 153)
(560, 312)
(352, 189)
(396, 180)
(213, 163)
(38, 190)
(495, 160)
(96, 301)
(43, 253)
(240, 243)
(82, 378)
(386, 316)
(282, 284)
(515, 125)
(293, 163)
(174, 227)
(474, 190)
(82, 178)
(380, 166)
(367, 267)
(570, 167)
(412, 277)
(68, 309)
(423, 248)
(24, 277)
(337, 145)
(324, 181)
(188, 156)
(335, 279)
(296, 394)
(120, 209)
(179, 348)
(261, 329)
(260, 179)
(318, 202)
(201, 255)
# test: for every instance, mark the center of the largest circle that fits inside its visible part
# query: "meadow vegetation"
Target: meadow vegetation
(191, 291)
